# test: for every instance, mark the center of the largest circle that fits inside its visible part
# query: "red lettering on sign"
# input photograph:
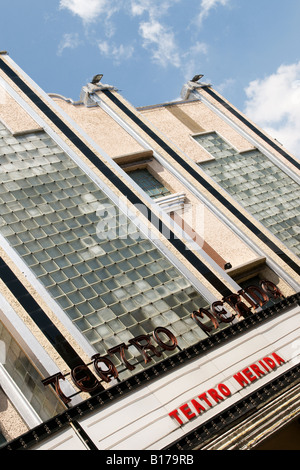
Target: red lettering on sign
(240, 379)
(215, 396)
(249, 374)
(257, 370)
(269, 362)
(204, 398)
(198, 407)
(174, 414)
(263, 365)
(224, 390)
(278, 359)
(187, 411)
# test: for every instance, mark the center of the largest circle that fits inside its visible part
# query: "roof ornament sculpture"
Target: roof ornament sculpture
(196, 78)
(97, 78)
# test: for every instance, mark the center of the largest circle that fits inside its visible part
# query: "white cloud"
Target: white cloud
(150, 17)
(206, 7)
(274, 104)
(69, 41)
(225, 85)
(117, 53)
(162, 42)
(154, 8)
(192, 58)
(87, 10)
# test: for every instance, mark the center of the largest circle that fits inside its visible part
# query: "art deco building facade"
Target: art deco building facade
(149, 272)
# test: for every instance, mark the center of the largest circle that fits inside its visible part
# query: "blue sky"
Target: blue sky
(247, 49)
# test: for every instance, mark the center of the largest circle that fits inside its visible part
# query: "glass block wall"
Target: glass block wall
(149, 184)
(112, 288)
(261, 187)
(28, 379)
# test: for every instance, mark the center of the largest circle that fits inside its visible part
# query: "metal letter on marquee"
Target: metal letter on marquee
(105, 375)
(271, 289)
(221, 314)
(54, 379)
(84, 379)
(143, 347)
(170, 335)
(121, 349)
(234, 300)
(257, 296)
(196, 315)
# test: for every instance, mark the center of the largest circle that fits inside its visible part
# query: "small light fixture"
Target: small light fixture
(97, 78)
(196, 78)
(228, 266)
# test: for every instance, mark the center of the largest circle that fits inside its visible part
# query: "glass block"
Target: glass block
(50, 213)
(149, 183)
(280, 194)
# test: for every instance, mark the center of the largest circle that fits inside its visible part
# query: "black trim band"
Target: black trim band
(132, 197)
(253, 128)
(254, 229)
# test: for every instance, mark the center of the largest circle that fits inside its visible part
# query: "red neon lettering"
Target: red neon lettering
(271, 289)
(257, 370)
(204, 398)
(240, 379)
(224, 390)
(187, 411)
(121, 349)
(104, 374)
(169, 334)
(83, 379)
(54, 379)
(234, 300)
(196, 315)
(143, 347)
(257, 298)
(197, 406)
(174, 414)
(278, 359)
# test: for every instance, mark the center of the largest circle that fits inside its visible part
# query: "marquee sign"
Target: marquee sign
(214, 396)
(163, 339)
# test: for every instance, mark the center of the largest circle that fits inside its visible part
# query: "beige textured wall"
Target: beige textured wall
(11, 424)
(14, 116)
(181, 135)
(102, 129)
